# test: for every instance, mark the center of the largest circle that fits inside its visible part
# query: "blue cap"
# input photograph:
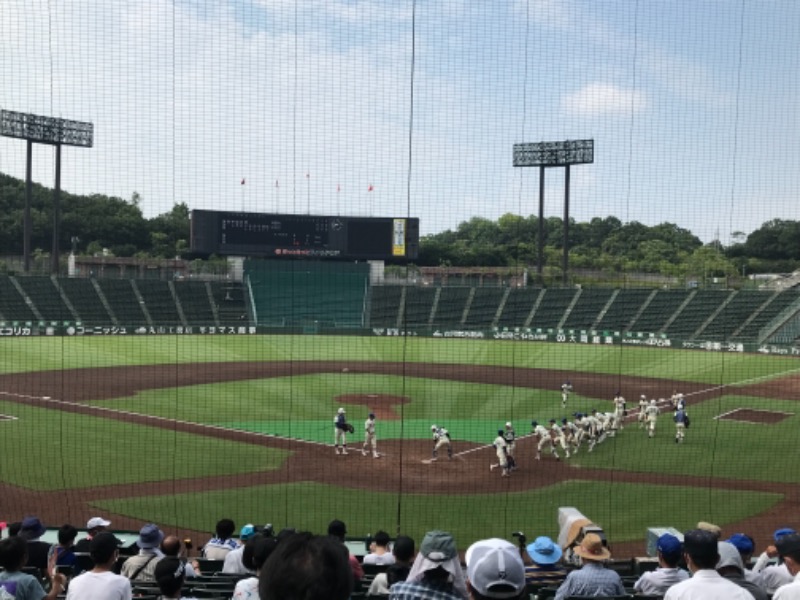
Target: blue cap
(534, 423)
(743, 543)
(668, 545)
(247, 532)
(782, 532)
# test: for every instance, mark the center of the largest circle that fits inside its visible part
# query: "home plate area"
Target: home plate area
(752, 415)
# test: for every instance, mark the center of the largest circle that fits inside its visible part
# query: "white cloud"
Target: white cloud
(604, 99)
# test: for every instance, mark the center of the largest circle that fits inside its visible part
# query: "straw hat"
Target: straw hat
(592, 548)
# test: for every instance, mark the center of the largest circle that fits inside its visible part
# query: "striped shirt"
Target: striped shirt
(593, 579)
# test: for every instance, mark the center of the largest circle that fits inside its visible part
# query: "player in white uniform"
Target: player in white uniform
(642, 416)
(580, 433)
(340, 431)
(369, 437)
(511, 445)
(545, 440)
(571, 434)
(591, 428)
(652, 416)
(566, 388)
(441, 438)
(557, 433)
(619, 410)
(501, 447)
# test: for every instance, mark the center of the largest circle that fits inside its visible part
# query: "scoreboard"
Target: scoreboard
(306, 236)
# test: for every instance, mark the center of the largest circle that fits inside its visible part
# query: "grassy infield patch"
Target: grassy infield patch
(302, 407)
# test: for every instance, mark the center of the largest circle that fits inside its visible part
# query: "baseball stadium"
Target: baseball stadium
(239, 374)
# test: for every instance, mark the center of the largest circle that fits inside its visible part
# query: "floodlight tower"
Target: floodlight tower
(553, 154)
(55, 132)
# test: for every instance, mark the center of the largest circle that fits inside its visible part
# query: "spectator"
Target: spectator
(788, 547)
(13, 528)
(403, 552)
(233, 560)
(18, 585)
(338, 530)
(256, 552)
(62, 554)
(436, 573)
(94, 526)
(32, 529)
(379, 550)
(101, 583)
(217, 548)
(700, 551)
(773, 576)
(495, 570)
(656, 583)
(170, 575)
(592, 579)
(745, 545)
(731, 568)
(542, 562)
(304, 566)
(142, 566)
(172, 547)
(711, 528)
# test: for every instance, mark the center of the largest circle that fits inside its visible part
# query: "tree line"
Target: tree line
(97, 222)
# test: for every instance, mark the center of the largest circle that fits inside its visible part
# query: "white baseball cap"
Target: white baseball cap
(95, 522)
(495, 569)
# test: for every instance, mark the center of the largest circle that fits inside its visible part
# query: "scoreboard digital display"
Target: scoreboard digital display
(312, 236)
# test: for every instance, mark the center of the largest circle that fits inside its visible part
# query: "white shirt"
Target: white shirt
(99, 586)
(790, 591)
(772, 576)
(387, 558)
(233, 562)
(659, 581)
(707, 584)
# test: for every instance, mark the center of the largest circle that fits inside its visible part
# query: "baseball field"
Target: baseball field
(184, 430)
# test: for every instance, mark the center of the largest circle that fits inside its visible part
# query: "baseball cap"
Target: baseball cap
(544, 551)
(247, 532)
(438, 546)
(668, 545)
(788, 544)
(168, 569)
(150, 536)
(742, 542)
(779, 533)
(96, 522)
(495, 569)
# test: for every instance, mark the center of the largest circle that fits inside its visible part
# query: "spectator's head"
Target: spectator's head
(495, 570)
(66, 535)
(381, 539)
(592, 549)
(284, 533)
(779, 533)
(171, 546)
(247, 532)
(711, 528)
(103, 548)
(32, 528)
(150, 536)
(403, 549)
(96, 525)
(14, 528)
(744, 544)
(307, 567)
(438, 561)
(730, 561)
(257, 550)
(700, 549)
(788, 547)
(544, 551)
(337, 529)
(13, 553)
(669, 550)
(169, 575)
(225, 528)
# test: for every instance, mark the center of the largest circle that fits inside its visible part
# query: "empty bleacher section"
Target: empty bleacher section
(418, 306)
(587, 308)
(518, 306)
(13, 307)
(701, 306)
(308, 293)
(741, 305)
(660, 309)
(195, 300)
(44, 295)
(384, 305)
(483, 307)
(83, 297)
(123, 300)
(552, 307)
(768, 311)
(449, 308)
(231, 302)
(626, 305)
(159, 301)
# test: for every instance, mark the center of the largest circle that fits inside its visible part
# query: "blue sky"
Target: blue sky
(693, 105)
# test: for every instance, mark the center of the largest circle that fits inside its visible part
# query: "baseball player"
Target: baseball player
(652, 416)
(340, 431)
(544, 440)
(642, 416)
(566, 388)
(619, 410)
(592, 429)
(571, 433)
(369, 437)
(511, 445)
(501, 447)
(579, 433)
(680, 402)
(441, 438)
(557, 433)
(681, 418)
